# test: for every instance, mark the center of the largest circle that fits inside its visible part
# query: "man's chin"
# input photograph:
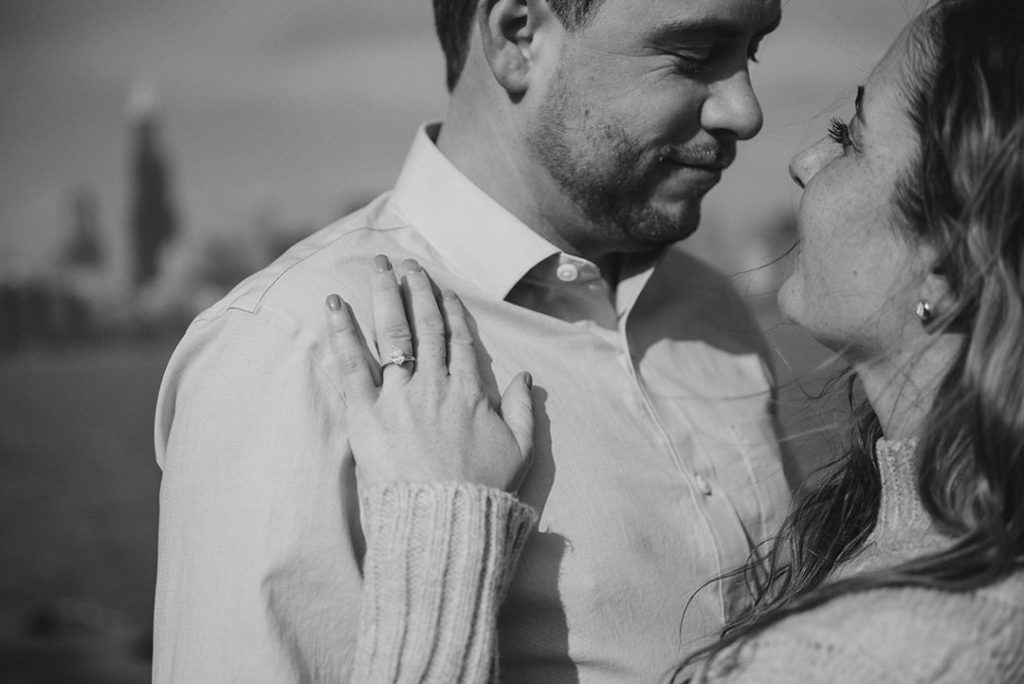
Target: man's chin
(681, 216)
(661, 225)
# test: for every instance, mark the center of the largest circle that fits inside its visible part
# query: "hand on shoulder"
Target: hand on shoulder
(429, 418)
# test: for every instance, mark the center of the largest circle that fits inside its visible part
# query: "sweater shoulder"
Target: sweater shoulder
(921, 634)
(985, 609)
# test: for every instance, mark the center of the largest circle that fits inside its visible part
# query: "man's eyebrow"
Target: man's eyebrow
(711, 26)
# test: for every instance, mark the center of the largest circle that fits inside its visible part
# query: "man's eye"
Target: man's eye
(692, 60)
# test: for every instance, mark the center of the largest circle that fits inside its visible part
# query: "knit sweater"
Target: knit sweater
(440, 557)
(895, 635)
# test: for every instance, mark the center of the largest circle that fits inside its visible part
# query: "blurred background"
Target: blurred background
(154, 153)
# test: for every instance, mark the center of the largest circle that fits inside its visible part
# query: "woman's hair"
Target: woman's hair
(963, 194)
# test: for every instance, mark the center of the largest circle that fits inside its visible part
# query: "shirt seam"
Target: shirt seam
(257, 299)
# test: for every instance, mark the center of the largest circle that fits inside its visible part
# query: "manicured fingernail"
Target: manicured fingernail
(333, 302)
(411, 266)
(528, 379)
(382, 263)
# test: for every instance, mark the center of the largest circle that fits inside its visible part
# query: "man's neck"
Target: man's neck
(492, 155)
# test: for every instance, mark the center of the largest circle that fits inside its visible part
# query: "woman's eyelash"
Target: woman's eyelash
(839, 132)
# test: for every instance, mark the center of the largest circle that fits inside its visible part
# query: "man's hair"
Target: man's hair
(453, 20)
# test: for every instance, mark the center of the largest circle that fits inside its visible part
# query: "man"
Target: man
(580, 139)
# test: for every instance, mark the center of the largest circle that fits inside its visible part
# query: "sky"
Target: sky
(296, 110)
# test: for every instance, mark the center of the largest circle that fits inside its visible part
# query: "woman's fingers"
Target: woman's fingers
(462, 362)
(427, 323)
(390, 326)
(349, 349)
(457, 433)
(517, 412)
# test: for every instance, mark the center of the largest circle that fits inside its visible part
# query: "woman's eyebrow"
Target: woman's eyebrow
(857, 104)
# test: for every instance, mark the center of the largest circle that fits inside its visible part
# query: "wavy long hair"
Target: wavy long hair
(963, 193)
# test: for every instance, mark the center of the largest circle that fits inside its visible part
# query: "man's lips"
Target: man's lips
(713, 157)
(687, 175)
(717, 164)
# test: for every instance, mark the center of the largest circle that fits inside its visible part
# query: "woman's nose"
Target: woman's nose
(807, 163)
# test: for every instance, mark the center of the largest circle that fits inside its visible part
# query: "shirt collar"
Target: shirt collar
(478, 238)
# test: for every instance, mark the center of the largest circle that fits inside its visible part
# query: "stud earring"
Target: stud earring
(924, 312)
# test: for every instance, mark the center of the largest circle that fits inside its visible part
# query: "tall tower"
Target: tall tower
(84, 246)
(153, 220)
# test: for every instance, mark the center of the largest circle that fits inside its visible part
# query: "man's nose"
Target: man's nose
(732, 107)
(808, 162)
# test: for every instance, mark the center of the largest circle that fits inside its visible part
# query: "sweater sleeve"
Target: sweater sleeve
(439, 560)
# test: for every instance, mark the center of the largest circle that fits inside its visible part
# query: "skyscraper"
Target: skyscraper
(153, 220)
(84, 247)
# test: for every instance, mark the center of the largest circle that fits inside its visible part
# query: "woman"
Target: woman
(907, 564)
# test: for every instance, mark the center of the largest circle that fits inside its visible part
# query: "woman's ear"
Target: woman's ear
(510, 32)
(935, 291)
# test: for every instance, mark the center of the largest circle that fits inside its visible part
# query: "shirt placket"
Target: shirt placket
(681, 444)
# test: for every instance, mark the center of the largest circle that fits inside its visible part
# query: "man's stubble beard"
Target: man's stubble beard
(607, 175)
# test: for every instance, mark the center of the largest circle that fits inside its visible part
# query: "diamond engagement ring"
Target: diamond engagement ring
(398, 358)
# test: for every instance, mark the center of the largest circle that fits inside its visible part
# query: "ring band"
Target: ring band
(398, 358)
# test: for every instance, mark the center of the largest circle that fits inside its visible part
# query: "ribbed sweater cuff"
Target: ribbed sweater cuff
(440, 556)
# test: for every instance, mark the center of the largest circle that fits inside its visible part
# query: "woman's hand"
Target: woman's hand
(430, 419)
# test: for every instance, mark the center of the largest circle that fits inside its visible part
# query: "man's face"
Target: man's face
(643, 112)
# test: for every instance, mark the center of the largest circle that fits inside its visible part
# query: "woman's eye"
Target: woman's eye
(839, 132)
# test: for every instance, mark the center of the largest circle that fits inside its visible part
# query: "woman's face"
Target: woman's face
(857, 277)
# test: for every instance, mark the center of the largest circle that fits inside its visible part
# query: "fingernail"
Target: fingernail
(528, 379)
(333, 302)
(450, 295)
(411, 266)
(382, 263)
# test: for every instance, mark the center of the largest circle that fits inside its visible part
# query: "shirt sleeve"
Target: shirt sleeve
(260, 542)
(439, 560)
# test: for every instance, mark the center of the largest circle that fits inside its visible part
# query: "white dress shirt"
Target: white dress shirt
(656, 463)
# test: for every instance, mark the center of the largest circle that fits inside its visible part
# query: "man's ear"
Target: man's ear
(509, 32)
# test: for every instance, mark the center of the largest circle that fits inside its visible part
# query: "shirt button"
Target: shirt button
(703, 485)
(567, 273)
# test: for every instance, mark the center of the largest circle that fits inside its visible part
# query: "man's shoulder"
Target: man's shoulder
(276, 316)
(336, 259)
